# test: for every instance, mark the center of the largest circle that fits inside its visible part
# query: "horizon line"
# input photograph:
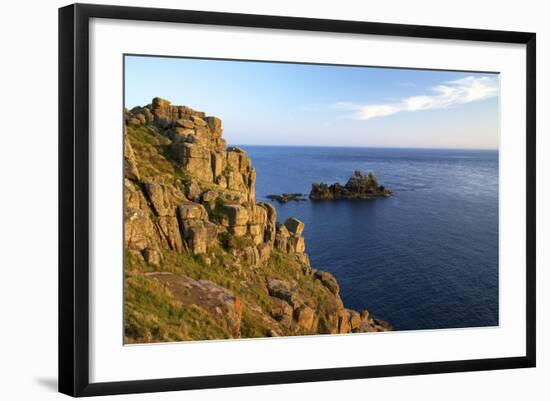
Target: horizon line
(360, 147)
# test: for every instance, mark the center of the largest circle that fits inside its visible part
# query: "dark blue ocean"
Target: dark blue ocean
(426, 258)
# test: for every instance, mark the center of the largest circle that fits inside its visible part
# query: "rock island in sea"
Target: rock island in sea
(286, 197)
(204, 259)
(359, 186)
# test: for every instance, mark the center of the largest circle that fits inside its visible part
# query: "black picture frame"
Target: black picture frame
(74, 198)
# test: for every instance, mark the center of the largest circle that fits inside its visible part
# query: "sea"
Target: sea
(425, 258)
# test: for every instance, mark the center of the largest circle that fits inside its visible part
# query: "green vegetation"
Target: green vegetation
(153, 315)
(152, 154)
(229, 241)
(217, 213)
(148, 149)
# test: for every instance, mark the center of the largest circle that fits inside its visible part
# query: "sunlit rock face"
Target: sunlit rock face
(194, 231)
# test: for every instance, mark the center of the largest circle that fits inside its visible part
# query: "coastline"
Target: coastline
(415, 245)
(198, 242)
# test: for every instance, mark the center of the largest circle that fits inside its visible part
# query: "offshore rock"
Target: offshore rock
(359, 186)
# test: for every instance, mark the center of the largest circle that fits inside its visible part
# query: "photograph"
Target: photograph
(273, 199)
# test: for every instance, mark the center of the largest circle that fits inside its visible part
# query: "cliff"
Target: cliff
(359, 186)
(204, 259)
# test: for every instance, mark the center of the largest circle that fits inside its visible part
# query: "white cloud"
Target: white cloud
(448, 94)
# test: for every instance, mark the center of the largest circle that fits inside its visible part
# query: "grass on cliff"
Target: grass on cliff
(152, 154)
(229, 241)
(152, 315)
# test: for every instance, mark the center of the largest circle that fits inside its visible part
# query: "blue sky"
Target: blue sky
(317, 105)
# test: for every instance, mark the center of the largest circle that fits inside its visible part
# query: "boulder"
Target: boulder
(203, 133)
(304, 317)
(185, 123)
(183, 151)
(138, 229)
(152, 256)
(209, 196)
(354, 319)
(344, 325)
(142, 119)
(197, 231)
(248, 255)
(192, 211)
(271, 212)
(157, 196)
(294, 226)
(328, 281)
(143, 114)
(269, 326)
(199, 235)
(182, 135)
(236, 150)
(140, 225)
(236, 181)
(257, 233)
(296, 245)
(194, 159)
(192, 190)
(367, 327)
(170, 232)
(148, 115)
(198, 122)
(130, 166)
(238, 215)
(178, 131)
(382, 325)
(133, 196)
(185, 112)
(281, 238)
(257, 214)
(163, 112)
(283, 290)
(328, 323)
(215, 125)
(238, 231)
(160, 103)
(219, 302)
(279, 289)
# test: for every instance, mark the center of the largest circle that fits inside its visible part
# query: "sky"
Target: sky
(262, 103)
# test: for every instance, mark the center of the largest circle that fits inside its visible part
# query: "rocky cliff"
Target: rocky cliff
(204, 259)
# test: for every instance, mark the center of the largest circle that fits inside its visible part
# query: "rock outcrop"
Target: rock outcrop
(194, 231)
(219, 302)
(359, 186)
(286, 197)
